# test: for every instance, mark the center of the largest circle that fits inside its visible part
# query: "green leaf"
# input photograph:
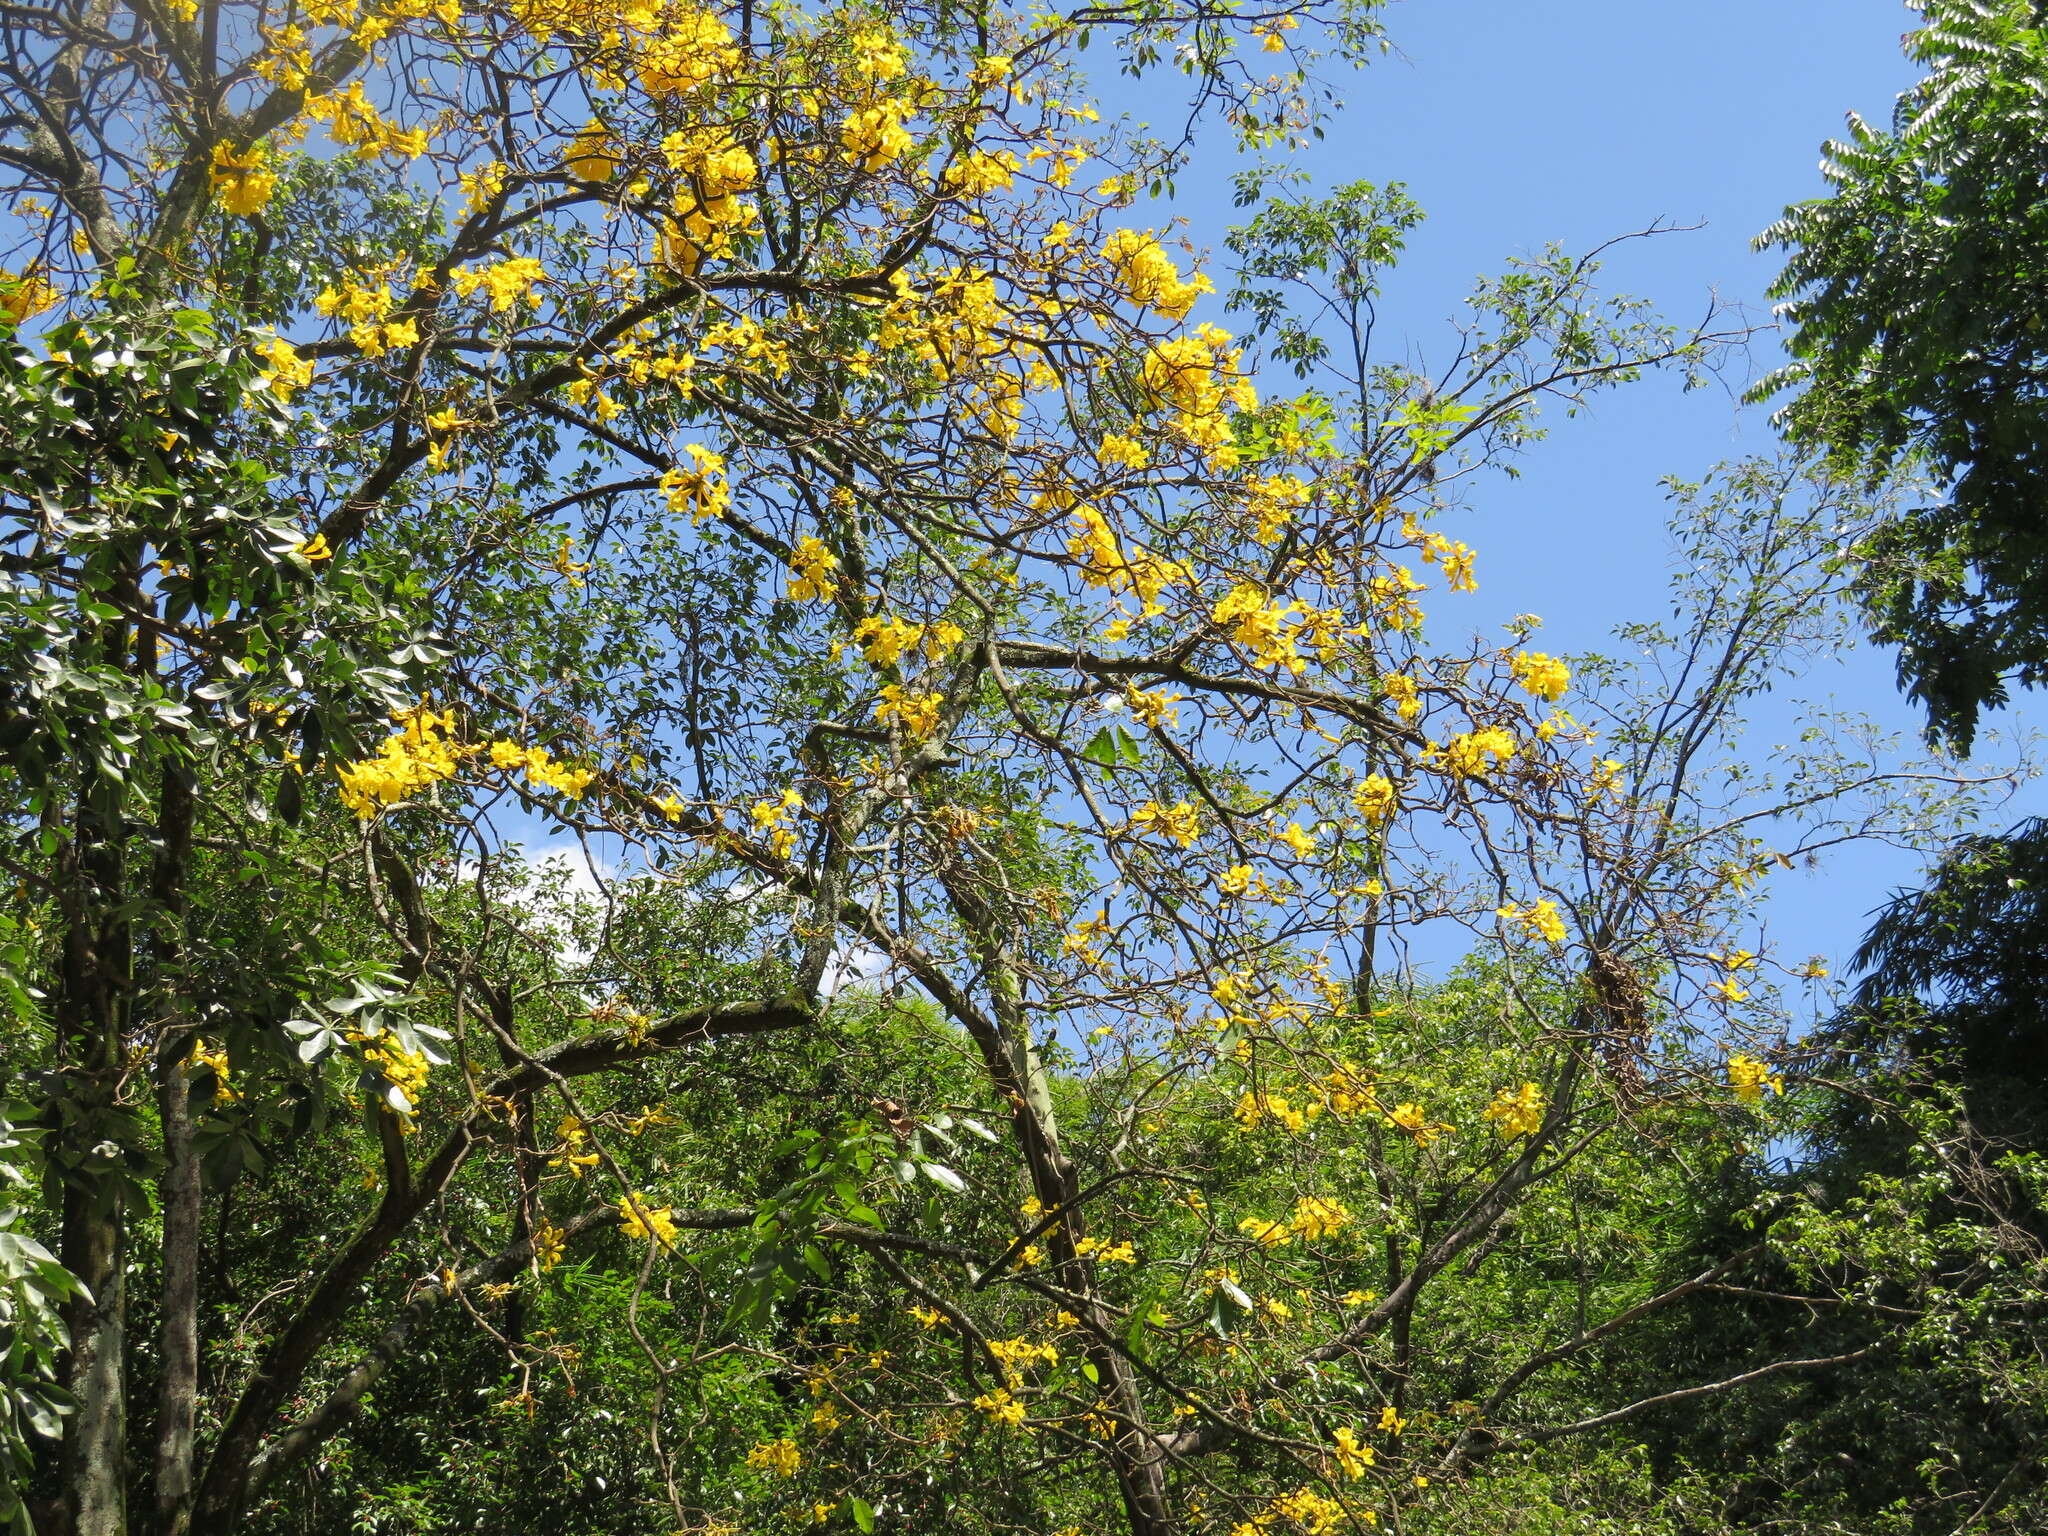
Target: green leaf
(863, 1513)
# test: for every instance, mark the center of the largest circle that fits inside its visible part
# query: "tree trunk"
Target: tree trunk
(178, 1393)
(178, 1396)
(93, 1464)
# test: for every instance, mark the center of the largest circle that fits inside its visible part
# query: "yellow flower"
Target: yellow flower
(1477, 753)
(1374, 799)
(1178, 821)
(1391, 1422)
(1001, 1407)
(1270, 1234)
(417, 757)
(811, 566)
(873, 137)
(508, 282)
(1317, 1217)
(316, 548)
(1148, 275)
(1539, 920)
(1154, 709)
(639, 1221)
(1405, 694)
(1544, 676)
(287, 372)
(780, 1457)
(547, 1244)
(25, 297)
(1352, 1458)
(883, 640)
(1412, 1119)
(1518, 1111)
(240, 179)
(1303, 843)
(1750, 1077)
(918, 712)
(591, 155)
(701, 490)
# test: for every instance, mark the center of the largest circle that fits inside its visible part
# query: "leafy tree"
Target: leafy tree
(742, 448)
(1913, 291)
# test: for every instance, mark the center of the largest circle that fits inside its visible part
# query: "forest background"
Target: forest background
(757, 776)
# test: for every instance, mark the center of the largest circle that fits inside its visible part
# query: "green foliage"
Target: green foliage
(1915, 292)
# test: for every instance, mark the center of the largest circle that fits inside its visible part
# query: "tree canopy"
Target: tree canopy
(719, 821)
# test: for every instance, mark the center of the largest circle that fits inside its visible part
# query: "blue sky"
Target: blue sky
(1515, 125)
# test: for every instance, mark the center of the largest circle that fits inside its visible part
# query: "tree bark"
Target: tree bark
(178, 1390)
(178, 1394)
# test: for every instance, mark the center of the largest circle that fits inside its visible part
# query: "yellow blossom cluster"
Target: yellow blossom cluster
(1405, 692)
(1106, 1252)
(772, 817)
(1349, 1090)
(979, 172)
(1374, 799)
(1542, 675)
(1391, 596)
(708, 214)
(1177, 821)
(917, 713)
(214, 1059)
(1302, 843)
(701, 490)
(682, 51)
(1104, 562)
(1271, 502)
(1455, 560)
(27, 295)
(242, 180)
(1254, 1109)
(1304, 1510)
(1416, 1122)
(353, 122)
(873, 137)
(1242, 882)
(1518, 1111)
(592, 154)
(1148, 275)
(365, 302)
(548, 1243)
(421, 754)
(541, 769)
(778, 1457)
(640, 1221)
(1477, 753)
(1750, 1077)
(508, 282)
(1198, 374)
(811, 566)
(1086, 941)
(1266, 628)
(1019, 1355)
(1317, 1217)
(1001, 1407)
(1155, 710)
(1539, 920)
(1353, 1459)
(285, 373)
(403, 1069)
(884, 638)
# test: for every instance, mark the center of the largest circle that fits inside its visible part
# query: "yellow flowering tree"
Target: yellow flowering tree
(768, 449)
